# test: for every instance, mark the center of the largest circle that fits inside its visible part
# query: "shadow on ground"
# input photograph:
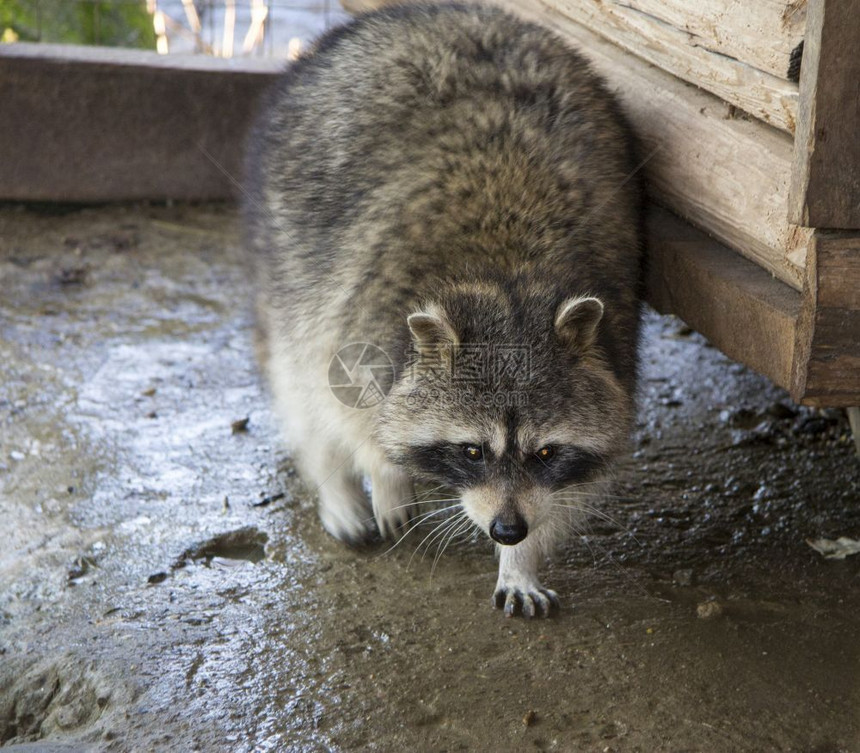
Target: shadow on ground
(165, 584)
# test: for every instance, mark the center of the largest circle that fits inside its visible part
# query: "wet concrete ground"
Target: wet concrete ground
(165, 584)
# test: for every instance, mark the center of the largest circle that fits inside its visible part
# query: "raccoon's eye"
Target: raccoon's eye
(546, 453)
(473, 452)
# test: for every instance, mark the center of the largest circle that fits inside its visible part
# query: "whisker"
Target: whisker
(593, 545)
(440, 536)
(589, 511)
(569, 492)
(418, 498)
(372, 517)
(436, 528)
(464, 524)
(413, 502)
(416, 522)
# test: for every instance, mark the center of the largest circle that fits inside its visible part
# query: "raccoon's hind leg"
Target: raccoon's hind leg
(393, 495)
(343, 504)
(518, 588)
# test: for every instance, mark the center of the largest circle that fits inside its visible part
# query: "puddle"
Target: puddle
(246, 544)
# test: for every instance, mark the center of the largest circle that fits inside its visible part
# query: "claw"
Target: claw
(552, 596)
(541, 602)
(528, 607)
(394, 527)
(498, 599)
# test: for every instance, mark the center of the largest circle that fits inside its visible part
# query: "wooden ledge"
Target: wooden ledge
(89, 124)
(806, 342)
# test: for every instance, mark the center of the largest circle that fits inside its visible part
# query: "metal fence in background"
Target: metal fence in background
(226, 28)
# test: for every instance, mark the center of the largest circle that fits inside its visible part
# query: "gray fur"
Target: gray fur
(461, 166)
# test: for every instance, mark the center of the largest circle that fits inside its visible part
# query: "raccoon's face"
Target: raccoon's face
(508, 442)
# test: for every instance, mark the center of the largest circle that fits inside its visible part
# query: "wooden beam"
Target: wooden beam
(98, 124)
(763, 95)
(727, 175)
(827, 364)
(739, 307)
(825, 189)
(766, 34)
(807, 343)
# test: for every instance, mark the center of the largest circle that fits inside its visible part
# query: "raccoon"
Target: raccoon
(455, 189)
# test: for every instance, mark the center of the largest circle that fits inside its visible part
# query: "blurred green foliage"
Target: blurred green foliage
(113, 23)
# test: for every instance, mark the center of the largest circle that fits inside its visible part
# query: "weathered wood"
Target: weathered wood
(96, 124)
(768, 97)
(739, 307)
(827, 345)
(808, 343)
(725, 174)
(825, 190)
(765, 34)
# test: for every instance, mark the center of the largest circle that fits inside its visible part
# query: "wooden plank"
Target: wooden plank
(807, 343)
(97, 124)
(727, 175)
(825, 190)
(740, 308)
(763, 95)
(766, 34)
(127, 57)
(827, 367)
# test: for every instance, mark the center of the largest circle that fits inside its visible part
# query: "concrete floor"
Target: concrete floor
(165, 584)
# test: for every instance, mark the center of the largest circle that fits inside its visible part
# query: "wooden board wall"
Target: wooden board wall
(808, 343)
(771, 98)
(766, 34)
(728, 175)
(98, 124)
(739, 307)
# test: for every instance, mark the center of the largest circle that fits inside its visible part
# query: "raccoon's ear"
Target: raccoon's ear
(577, 320)
(431, 327)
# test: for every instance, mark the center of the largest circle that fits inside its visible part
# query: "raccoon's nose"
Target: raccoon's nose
(509, 529)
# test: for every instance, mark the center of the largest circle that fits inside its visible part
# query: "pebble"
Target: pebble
(708, 610)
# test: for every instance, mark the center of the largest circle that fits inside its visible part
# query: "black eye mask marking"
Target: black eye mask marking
(458, 466)
(453, 464)
(565, 465)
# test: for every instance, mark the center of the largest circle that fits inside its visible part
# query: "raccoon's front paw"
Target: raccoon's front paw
(525, 597)
(393, 494)
(346, 517)
(394, 523)
(352, 530)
